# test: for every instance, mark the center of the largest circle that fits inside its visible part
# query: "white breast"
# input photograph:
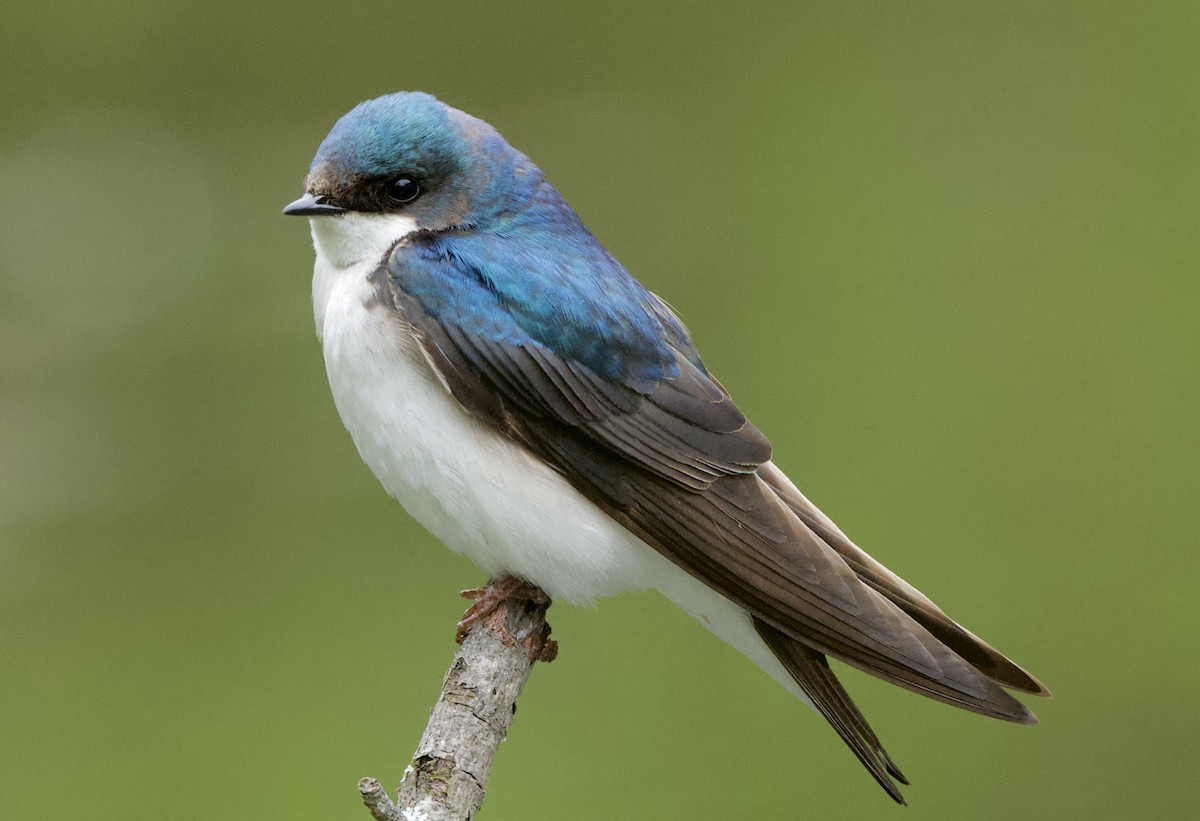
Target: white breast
(479, 493)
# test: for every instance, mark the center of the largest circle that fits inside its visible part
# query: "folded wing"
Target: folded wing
(675, 461)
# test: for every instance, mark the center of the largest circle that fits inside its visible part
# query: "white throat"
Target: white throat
(351, 245)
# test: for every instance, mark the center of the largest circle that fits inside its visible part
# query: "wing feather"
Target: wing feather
(675, 461)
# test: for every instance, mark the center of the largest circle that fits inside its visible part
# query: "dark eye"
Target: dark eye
(402, 190)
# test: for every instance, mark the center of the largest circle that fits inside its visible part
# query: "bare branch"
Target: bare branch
(377, 800)
(447, 777)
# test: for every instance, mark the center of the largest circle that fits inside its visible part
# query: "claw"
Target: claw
(487, 599)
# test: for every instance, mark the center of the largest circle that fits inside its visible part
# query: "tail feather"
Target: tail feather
(811, 671)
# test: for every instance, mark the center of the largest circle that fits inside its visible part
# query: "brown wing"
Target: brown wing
(686, 430)
(741, 539)
(678, 464)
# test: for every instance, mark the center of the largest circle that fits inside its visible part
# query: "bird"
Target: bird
(541, 412)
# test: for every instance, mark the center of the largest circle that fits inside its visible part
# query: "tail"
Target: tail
(811, 671)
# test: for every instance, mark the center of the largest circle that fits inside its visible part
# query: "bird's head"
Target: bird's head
(407, 163)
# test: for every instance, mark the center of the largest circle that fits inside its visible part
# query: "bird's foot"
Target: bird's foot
(487, 600)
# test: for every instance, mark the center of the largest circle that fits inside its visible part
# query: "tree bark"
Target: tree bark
(447, 776)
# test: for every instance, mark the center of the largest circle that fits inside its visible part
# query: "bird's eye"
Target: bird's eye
(402, 190)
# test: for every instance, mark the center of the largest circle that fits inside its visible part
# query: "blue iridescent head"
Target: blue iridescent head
(408, 153)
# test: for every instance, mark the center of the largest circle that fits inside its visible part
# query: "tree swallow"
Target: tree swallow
(538, 410)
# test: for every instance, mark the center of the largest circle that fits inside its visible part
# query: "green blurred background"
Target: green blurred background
(943, 253)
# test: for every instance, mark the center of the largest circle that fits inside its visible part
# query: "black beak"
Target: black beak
(310, 205)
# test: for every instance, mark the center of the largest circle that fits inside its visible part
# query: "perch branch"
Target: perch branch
(447, 776)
